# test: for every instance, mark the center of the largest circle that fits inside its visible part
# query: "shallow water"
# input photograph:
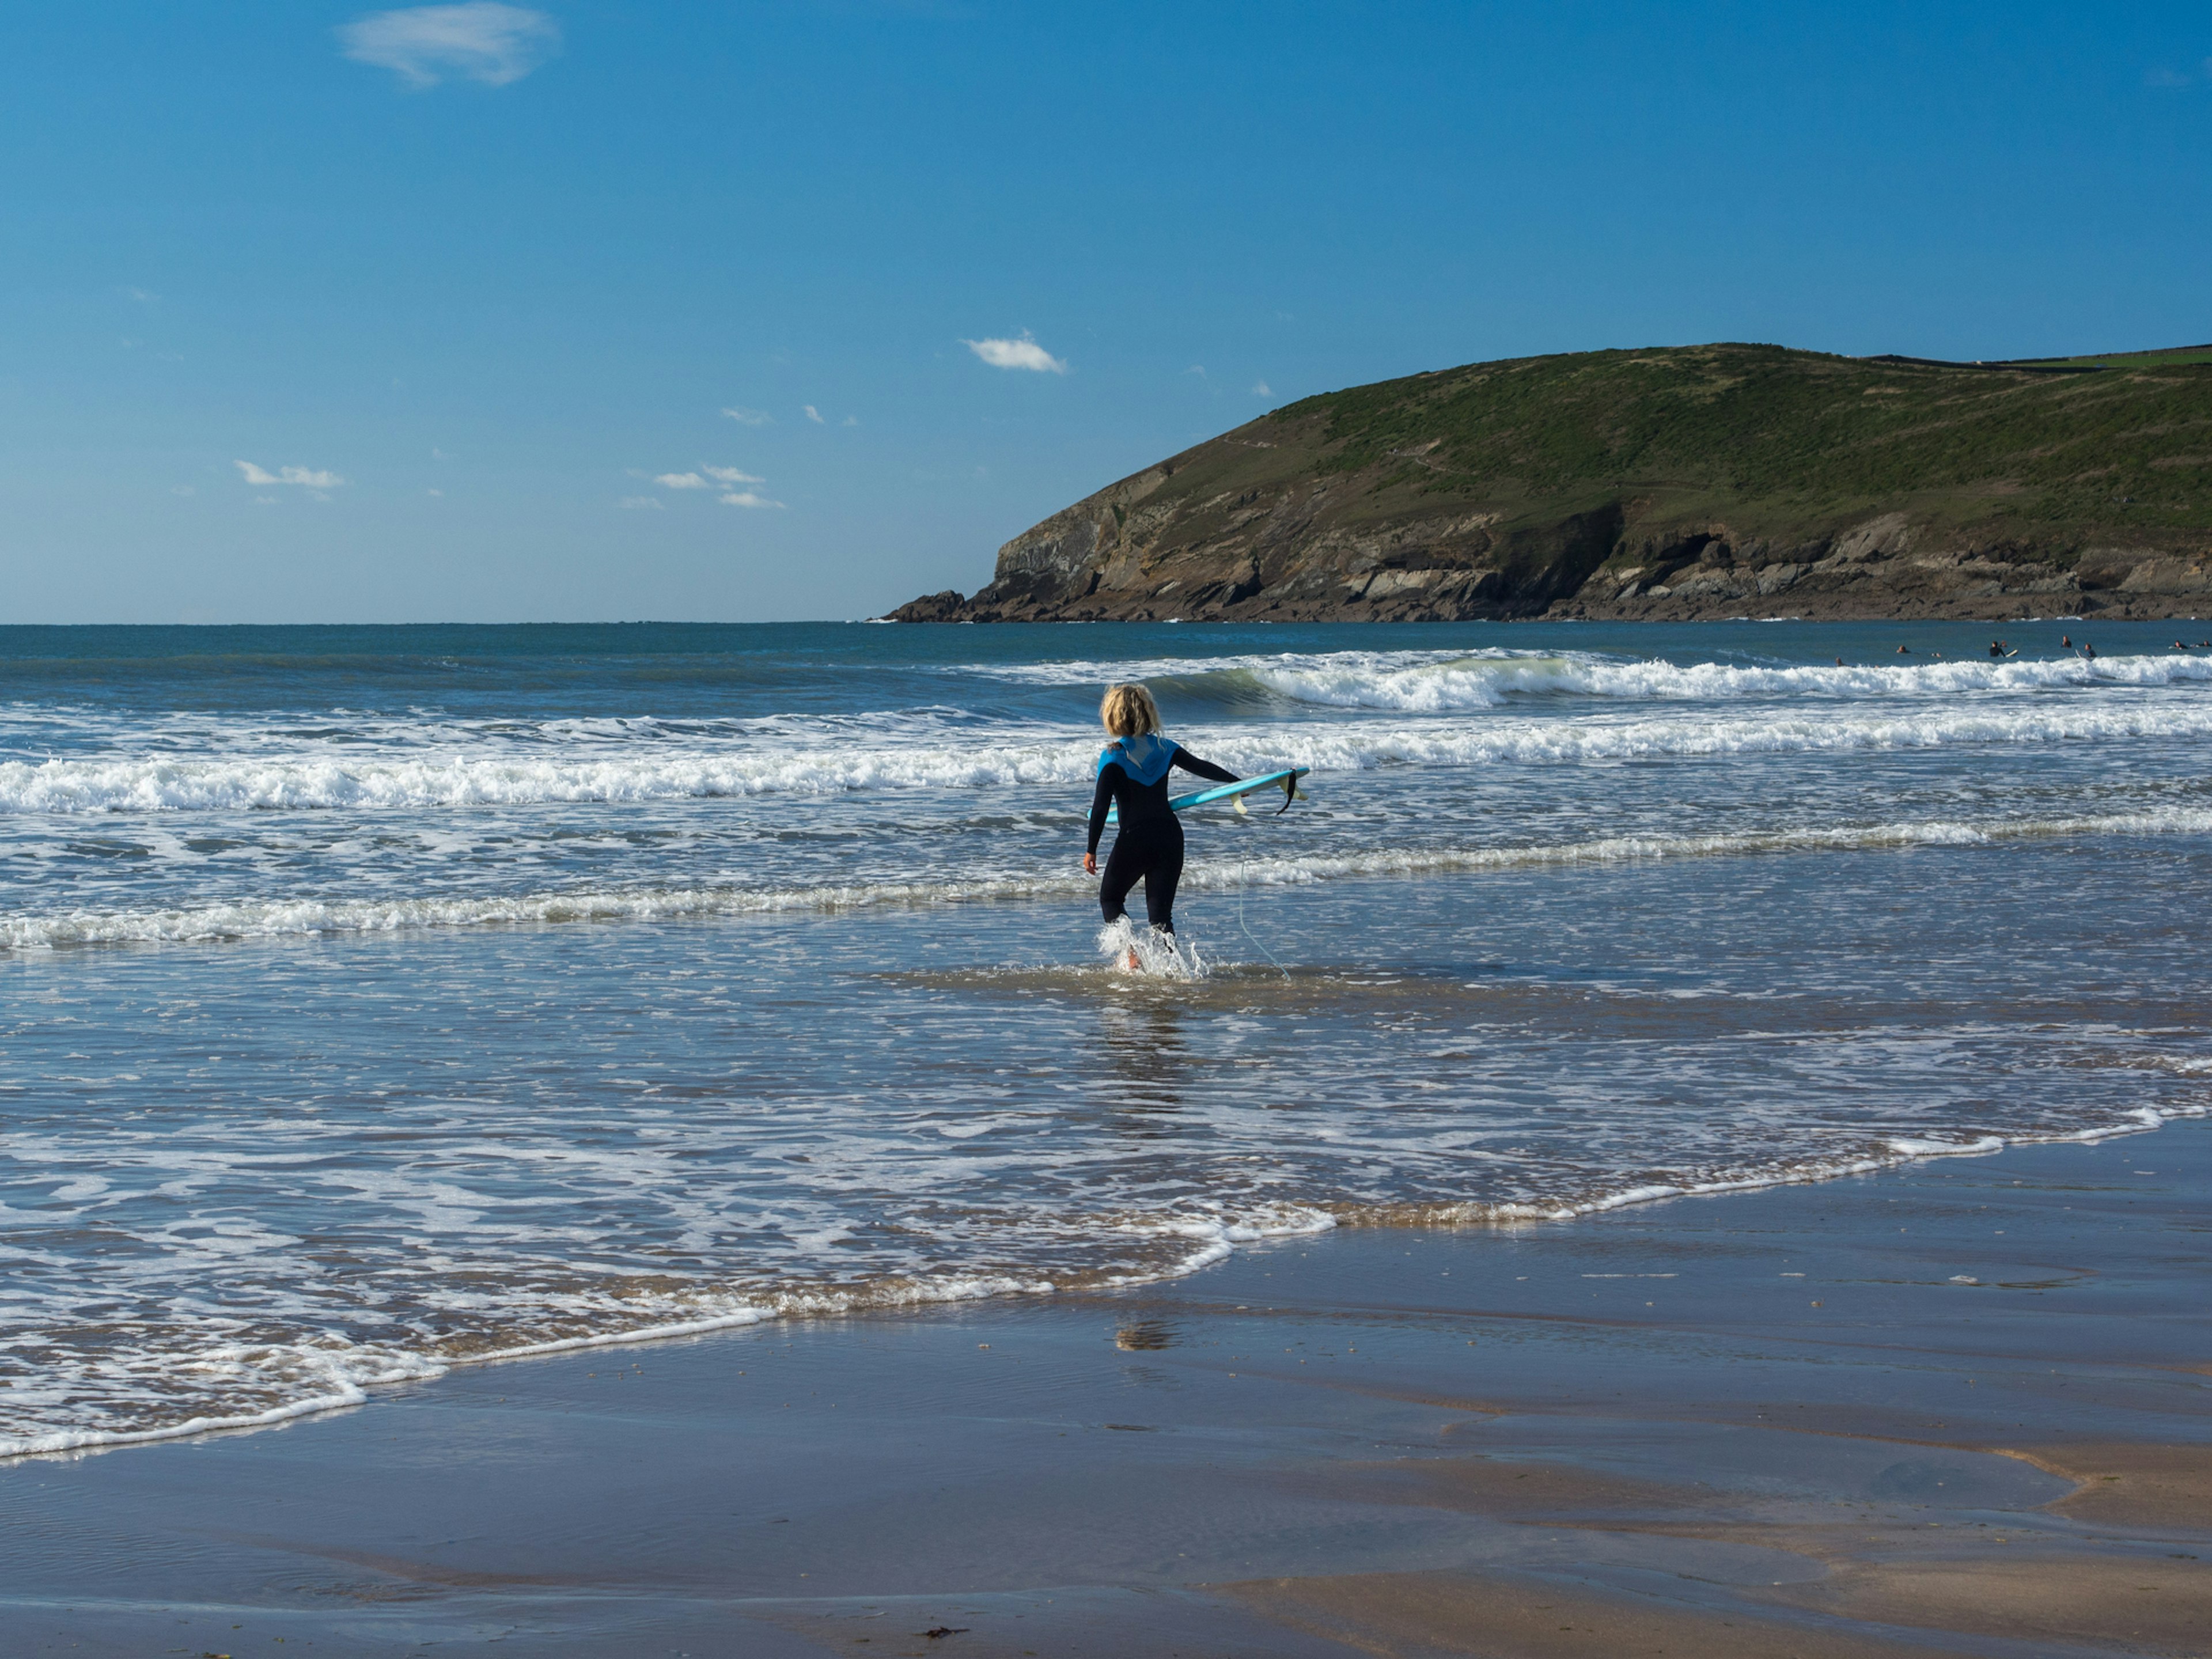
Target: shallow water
(379, 999)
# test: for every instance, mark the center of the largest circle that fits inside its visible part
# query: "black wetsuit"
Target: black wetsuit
(1149, 848)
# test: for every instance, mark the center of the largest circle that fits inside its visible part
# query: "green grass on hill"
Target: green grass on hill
(2173, 357)
(1785, 442)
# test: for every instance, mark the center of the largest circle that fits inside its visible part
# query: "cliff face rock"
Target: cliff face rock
(1688, 482)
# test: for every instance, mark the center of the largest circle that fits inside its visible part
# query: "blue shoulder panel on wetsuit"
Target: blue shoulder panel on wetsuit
(1145, 757)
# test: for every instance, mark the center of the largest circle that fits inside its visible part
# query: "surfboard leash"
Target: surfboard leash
(1290, 793)
(1241, 862)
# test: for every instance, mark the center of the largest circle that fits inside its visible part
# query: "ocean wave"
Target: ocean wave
(248, 1386)
(182, 783)
(1443, 682)
(1883, 1153)
(1002, 760)
(246, 918)
(1530, 741)
(275, 919)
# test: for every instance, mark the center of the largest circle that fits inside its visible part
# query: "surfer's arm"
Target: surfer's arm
(1102, 797)
(1208, 769)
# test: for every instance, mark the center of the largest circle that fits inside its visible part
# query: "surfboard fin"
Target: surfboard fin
(1239, 805)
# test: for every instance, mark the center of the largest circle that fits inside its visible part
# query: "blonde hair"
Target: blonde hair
(1128, 710)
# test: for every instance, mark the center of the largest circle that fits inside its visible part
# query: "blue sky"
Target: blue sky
(319, 312)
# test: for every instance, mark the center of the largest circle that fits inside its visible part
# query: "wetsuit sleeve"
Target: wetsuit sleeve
(1101, 799)
(1190, 762)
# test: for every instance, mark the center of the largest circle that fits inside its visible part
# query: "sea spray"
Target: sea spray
(1132, 947)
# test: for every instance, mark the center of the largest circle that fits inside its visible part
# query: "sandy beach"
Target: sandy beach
(1958, 1407)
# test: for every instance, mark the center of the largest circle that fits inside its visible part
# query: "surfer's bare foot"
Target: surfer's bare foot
(1133, 965)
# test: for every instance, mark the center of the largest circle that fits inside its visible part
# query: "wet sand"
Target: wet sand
(1964, 1407)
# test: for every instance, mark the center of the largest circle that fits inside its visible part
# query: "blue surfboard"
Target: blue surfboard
(1285, 781)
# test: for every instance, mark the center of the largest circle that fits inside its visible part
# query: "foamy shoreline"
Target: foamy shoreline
(1986, 1346)
(356, 1379)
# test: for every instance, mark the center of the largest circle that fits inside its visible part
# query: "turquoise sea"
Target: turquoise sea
(374, 1001)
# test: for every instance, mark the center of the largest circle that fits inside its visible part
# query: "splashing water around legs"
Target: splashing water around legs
(1135, 948)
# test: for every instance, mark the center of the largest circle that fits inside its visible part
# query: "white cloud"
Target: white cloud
(434, 492)
(813, 413)
(751, 417)
(641, 503)
(184, 489)
(1024, 353)
(482, 40)
(852, 420)
(1260, 389)
(264, 501)
(144, 296)
(1198, 369)
(707, 477)
(307, 477)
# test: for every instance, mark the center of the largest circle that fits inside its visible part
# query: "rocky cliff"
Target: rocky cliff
(1684, 482)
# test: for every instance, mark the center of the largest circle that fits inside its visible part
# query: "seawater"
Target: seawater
(381, 1000)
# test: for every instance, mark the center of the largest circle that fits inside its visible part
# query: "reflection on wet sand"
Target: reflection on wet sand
(1146, 1335)
(1146, 1063)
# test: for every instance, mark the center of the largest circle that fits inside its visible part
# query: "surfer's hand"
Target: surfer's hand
(1090, 864)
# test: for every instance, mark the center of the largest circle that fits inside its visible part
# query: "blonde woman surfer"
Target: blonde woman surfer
(1133, 779)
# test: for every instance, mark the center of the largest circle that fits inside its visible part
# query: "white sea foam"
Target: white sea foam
(265, 919)
(1441, 682)
(249, 1386)
(1890, 1151)
(331, 1374)
(217, 783)
(1528, 741)
(1915, 1146)
(379, 782)
(1614, 849)
(334, 1376)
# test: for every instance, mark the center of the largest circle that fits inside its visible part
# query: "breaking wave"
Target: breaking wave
(1439, 682)
(265, 919)
(666, 771)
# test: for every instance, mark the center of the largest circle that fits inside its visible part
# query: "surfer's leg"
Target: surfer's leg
(1123, 866)
(1162, 876)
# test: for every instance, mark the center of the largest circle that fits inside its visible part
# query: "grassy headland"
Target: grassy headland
(1682, 481)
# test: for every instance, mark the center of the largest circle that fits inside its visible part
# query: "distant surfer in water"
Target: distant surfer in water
(1133, 779)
